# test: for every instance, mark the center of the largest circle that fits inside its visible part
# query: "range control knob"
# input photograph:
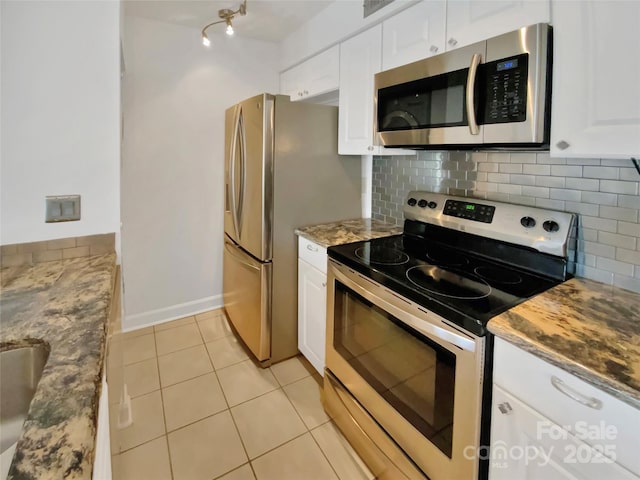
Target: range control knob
(551, 226)
(528, 222)
(432, 204)
(422, 203)
(412, 202)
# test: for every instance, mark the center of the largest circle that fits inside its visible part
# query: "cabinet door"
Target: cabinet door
(360, 60)
(596, 73)
(291, 82)
(312, 308)
(526, 445)
(470, 21)
(323, 73)
(413, 34)
(316, 76)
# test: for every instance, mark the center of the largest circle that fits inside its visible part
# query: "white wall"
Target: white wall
(60, 125)
(175, 93)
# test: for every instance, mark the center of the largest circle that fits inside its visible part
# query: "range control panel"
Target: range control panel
(469, 210)
(544, 230)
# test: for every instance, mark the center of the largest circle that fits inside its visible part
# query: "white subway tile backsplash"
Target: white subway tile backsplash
(552, 182)
(510, 168)
(629, 201)
(614, 266)
(564, 194)
(584, 184)
(550, 204)
(597, 223)
(604, 193)
(536, 169)
(617, 240)
(600, 198)
(615, 186)
(628, 256)
(610, 173)
(566, 171)
(627, 228)
(538, 192)
(626, 214)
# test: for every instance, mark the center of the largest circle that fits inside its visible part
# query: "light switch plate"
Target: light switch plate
(62, 208)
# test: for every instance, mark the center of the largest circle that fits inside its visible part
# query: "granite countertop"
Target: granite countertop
(347, 231)
(65, 305)
(584, 327)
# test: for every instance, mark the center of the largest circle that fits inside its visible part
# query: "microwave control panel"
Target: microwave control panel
(505, 91)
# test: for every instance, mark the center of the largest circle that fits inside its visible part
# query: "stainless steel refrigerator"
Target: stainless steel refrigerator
(282, 171)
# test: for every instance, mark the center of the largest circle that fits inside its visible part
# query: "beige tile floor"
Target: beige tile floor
(203, 410)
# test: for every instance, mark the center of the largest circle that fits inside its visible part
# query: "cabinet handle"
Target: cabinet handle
(370, 148)
(562, 145)
(505, 408)
(306, 92)
(311, 248)
(433, 49)
(571, 393)
(299, 94)
(324, 284)
(453, 42)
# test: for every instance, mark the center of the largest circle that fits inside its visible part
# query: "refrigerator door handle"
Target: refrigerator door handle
(230, 249)
(232, 170)
(243, 166)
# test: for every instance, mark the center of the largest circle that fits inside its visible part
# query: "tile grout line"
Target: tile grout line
(164, 415)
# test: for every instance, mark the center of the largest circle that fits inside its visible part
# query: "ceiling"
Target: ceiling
(269, 20)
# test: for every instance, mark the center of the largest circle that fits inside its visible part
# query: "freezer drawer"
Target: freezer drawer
(247, 298)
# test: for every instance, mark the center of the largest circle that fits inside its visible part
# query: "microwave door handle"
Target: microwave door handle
(471, 87)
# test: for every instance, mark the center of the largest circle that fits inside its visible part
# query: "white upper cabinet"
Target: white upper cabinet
(413, 34)
(596, 75)
(316, 76)
(470, 21)
(360, 60)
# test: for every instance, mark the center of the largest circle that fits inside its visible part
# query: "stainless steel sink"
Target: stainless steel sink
(20, 371)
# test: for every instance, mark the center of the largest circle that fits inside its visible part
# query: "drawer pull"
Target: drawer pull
(571, 393)
(311, 248)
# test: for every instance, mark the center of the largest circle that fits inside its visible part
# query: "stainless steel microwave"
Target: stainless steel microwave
(491, 94)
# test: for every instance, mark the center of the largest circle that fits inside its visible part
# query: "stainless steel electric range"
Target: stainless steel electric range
(408, 365)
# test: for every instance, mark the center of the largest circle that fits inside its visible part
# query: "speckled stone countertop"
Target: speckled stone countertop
(63, 304)
(584, 327)
(347, 231)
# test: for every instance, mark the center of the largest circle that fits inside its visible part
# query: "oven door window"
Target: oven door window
(415, 375)
(430, 102)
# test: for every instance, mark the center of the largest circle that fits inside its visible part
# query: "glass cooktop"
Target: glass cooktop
(462, 287)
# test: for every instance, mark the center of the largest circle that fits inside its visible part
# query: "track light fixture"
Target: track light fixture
(226, 15)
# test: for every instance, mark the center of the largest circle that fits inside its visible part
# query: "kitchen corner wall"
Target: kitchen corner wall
(604, 194)
(175, 92)
(60, 120)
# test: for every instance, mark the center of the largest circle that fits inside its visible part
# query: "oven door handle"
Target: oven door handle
(422, 326)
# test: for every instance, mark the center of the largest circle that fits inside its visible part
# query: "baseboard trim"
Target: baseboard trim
(162, 315)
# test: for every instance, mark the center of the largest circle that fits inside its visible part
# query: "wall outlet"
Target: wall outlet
(62, 208)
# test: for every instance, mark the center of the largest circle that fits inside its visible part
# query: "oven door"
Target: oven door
(416, 376)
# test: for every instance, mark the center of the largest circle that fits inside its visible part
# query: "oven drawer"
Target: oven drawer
(312, 253)
(381, 454)
(549, 390)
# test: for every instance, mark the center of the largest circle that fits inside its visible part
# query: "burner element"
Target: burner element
(448, 283)
(442, 256)
(381, 255)
(499, 275)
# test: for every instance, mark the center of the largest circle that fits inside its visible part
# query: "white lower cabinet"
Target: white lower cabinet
(312, 302)
(547, 424)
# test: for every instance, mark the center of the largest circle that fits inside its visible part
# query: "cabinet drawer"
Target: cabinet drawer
(313, 253)
(548, 389)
